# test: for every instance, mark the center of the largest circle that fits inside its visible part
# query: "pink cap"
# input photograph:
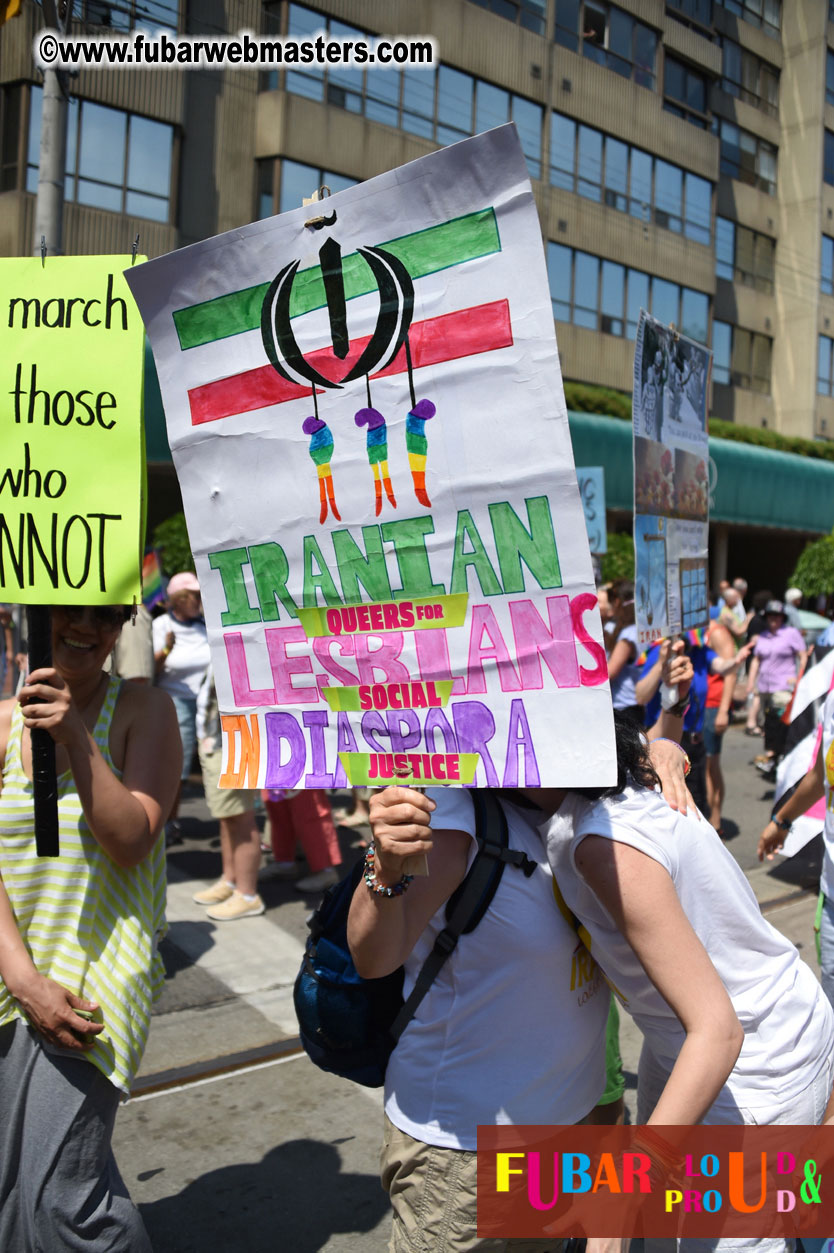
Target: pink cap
(183, 582)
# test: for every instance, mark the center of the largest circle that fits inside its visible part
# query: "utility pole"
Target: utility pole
(49, 205)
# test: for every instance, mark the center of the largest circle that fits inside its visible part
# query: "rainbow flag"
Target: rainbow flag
(153, 589)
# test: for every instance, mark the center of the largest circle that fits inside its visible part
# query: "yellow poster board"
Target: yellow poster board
(72, 440)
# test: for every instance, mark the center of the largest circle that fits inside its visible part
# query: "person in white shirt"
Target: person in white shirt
(736, 1028)
(181, 658)
(816, 784)
(510, 1032)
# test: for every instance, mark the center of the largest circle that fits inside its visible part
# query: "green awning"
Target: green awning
(753, 486)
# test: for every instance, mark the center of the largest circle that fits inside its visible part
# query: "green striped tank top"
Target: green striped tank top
(89, 924)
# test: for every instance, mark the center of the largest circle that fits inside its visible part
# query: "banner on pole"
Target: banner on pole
(71, 468)
(367, 418)
(671, 481)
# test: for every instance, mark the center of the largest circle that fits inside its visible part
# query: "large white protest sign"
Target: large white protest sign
(671, 481)
(394, 565)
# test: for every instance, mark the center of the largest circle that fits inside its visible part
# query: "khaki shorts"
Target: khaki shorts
(223, 802)
(434, 1198)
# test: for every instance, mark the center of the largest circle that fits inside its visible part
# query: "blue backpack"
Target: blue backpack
(348, 1025)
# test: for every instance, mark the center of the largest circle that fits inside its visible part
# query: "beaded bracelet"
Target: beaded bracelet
(381, 889)
(687, 764)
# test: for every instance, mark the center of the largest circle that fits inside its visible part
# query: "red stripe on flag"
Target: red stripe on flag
(446, 338)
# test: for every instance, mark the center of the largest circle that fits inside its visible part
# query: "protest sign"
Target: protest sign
(591, 480)
(671, 481)
(394, 565)
(71, 469)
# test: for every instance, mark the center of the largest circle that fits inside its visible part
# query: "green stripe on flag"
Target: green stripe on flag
(422, 253)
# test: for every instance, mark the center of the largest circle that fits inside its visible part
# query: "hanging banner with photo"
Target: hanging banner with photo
(366, 414)
(72, 461)
(591, 480)
(671, 481)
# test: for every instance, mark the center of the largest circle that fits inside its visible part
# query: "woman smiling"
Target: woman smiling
(79, 966)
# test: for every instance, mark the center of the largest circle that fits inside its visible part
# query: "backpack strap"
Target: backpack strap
(470, 901)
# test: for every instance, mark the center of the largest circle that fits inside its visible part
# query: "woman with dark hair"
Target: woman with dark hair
(778, 652)
(623, 672)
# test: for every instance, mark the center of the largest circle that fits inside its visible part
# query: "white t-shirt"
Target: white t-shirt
(623, 694)
(185, 666)
(787, 1021)
(827, 879)
(512, 1030)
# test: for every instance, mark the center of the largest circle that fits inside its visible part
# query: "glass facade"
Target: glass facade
(284, 184)
(744, 256)
(117, 161)
(685, 92)
(610, 36)
(530, 14)
(441, 104)
(747, 157)
(766, 14)
(827, 266)
(825, 377)
(746, 77)
(598, 167)
(741, 358)
(606, 296)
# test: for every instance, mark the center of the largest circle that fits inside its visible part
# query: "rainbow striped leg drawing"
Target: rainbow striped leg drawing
(377, 447)
(321, 451)
(417, 446)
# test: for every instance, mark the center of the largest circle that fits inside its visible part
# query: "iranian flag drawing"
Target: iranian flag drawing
(366, 414)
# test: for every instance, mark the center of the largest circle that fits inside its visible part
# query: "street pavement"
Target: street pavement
(233, 1140)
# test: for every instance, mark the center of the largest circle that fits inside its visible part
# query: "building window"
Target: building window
(442, 104)
(741, 358)
(828, 157)
(825, 375)
(117, 161)
(698, 11)
(747, 157)
(725, 248)
(744, 256)
(766, 14)
(605, 296)
(748, 78)
(283, 184)
(608, 36)
(685, 92)
(11, 99)
(722, 352)
(599, 167)
(130, 14)
(827, 266)
(530, 14)
(829, 77)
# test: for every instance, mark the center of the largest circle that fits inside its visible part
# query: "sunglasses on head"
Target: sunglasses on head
(103, 615)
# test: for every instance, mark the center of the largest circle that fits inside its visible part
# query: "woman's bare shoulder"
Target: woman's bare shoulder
(6, 710)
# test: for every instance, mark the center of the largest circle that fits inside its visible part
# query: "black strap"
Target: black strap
(470, 901)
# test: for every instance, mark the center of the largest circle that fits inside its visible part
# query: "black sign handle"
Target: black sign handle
(43, 746)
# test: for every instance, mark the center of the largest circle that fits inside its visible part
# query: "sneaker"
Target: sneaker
(219, 891)
(319, 881)
(279, 870)
(237, 906)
